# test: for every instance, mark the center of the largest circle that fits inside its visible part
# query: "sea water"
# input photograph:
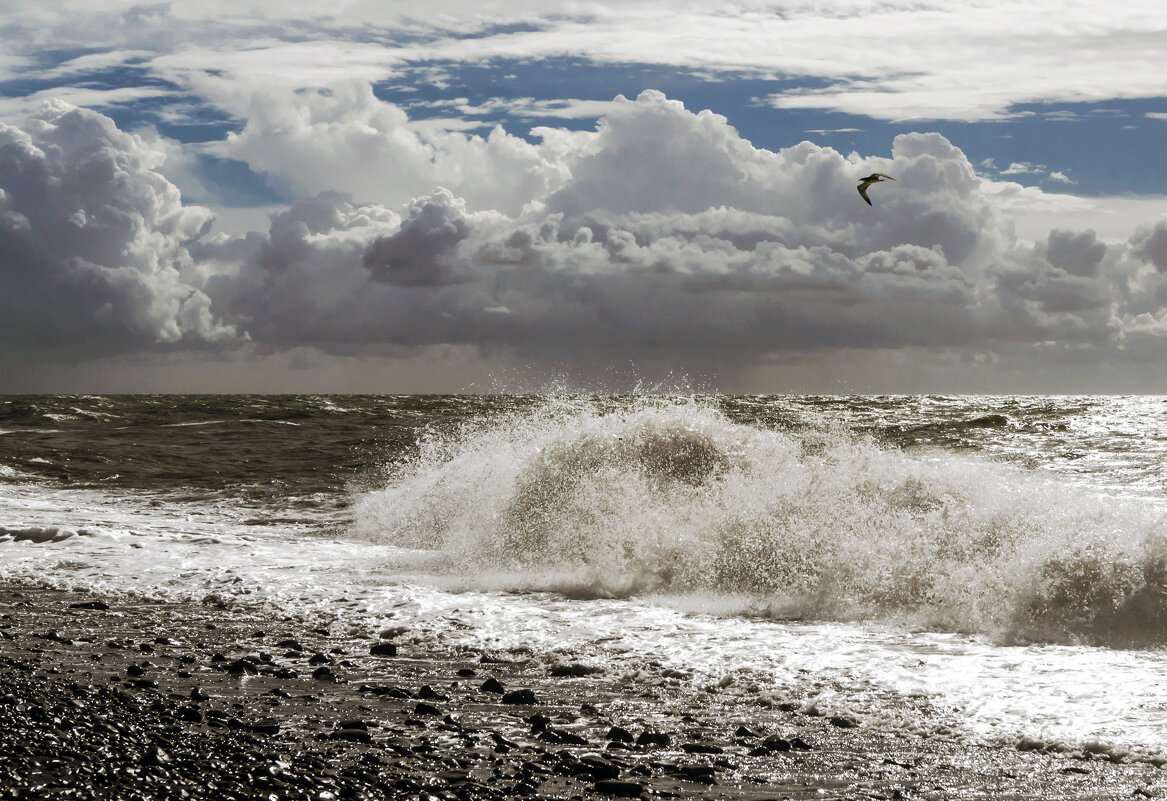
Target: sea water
(989, 568)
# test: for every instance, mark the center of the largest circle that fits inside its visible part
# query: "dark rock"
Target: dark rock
(575, 670)
(549, 736)
(466, 672)
(539, 722)
(383, 649)
(776, 743)
(189, 714)
(291, 645)
(381, 689)
(742, 731)
(241, 667)
(620, 734)
(319, 659)
(265, 726)
(197, 694)
(426, 692)
(654, 739)
(844, 722)
(324, 673)
(702, 774)
(101, 605)
(502, 742)
(353, 735)
(701, 748)
(155, 756)
(493, 685)
(599, 767)
(618, 788)
(426, 709)
(523, 696)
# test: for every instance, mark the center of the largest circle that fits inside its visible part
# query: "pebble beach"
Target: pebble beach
(157, 700)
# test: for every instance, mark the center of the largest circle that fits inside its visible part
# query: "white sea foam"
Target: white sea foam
(671, 497)
(671, 537)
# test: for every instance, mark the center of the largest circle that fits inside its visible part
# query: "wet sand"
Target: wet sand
(108, 698)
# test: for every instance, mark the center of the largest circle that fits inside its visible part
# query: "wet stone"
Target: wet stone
(520, 697)
(654, 739)
(702, 774)
(599, 767)
(618, 788)
(492, 685)
(575, 670)
(98, 605)
(242, 667)
(265, 726)
(776, 743)
(620, 734)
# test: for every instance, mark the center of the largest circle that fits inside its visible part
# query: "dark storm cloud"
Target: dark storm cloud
(423, 251)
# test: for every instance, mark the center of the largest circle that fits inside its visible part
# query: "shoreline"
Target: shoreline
(103, 697)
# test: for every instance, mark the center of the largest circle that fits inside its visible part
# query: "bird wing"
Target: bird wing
(884, 175)
(863, 191)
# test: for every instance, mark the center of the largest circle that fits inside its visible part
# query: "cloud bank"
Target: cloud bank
(894, 59)
(93, 240)
(660, 236)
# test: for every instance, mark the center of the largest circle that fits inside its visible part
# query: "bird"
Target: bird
(874, 178)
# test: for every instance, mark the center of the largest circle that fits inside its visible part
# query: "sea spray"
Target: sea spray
(670, 497)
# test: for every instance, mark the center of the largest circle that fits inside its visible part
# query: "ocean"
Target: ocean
(988, 568)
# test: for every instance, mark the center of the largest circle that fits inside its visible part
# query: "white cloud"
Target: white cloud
(660, 236)
(1023, 168)
(93, 240)
(1060, 177)
(345, 139)
(1150, 244)
(895, 59)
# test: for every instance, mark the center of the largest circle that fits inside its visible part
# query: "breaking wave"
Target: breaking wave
(670, 497)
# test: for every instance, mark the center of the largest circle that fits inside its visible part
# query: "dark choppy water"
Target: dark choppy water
(308, 444)
(904, 547)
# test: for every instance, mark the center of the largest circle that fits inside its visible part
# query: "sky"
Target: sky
(512, 195)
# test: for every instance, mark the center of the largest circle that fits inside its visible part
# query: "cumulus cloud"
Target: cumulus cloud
(93, 240)
(422, 252)
(344, 139)
(660, 234)
(670, 234)
(1149, 243)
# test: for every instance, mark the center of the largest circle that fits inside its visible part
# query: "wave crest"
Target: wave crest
(669, 496)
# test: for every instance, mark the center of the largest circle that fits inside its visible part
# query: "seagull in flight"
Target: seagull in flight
(874, 178)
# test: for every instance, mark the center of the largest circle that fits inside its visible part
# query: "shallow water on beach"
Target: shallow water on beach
(990, 567)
